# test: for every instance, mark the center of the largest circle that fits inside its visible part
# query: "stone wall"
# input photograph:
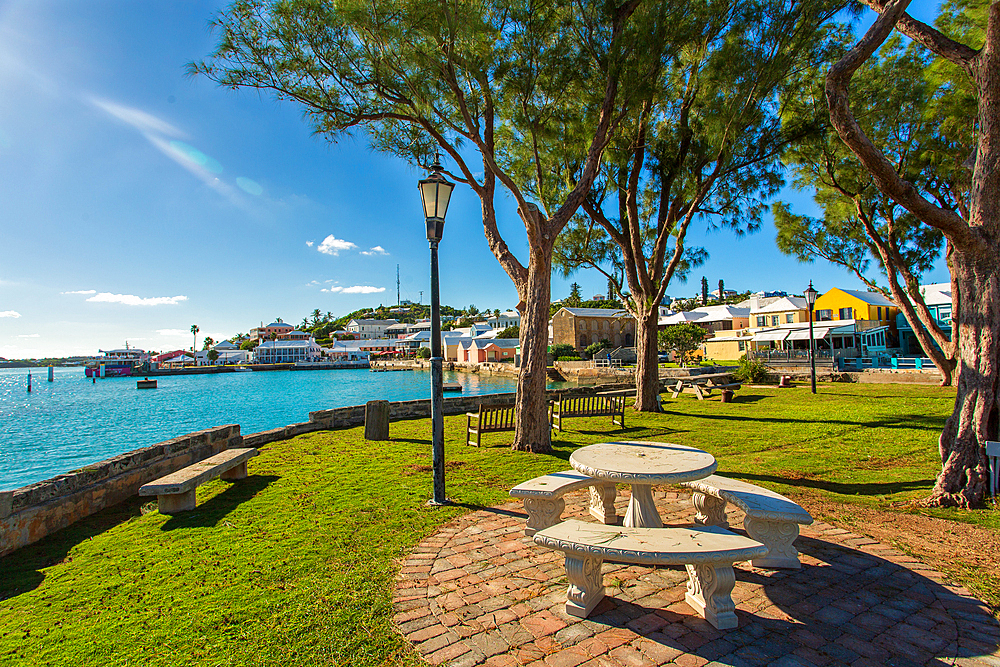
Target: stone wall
(30, 513)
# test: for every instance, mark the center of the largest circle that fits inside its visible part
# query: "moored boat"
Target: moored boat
(117, 363)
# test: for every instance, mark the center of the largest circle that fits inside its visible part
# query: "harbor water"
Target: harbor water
(73, 422)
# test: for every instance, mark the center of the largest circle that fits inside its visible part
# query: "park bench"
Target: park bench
(708, 553)
(588, 406)
(704, 385)
(489, 419)
(543, 498)
(771, 518)
(176, 492)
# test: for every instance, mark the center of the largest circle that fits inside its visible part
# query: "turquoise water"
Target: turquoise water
(72, 422)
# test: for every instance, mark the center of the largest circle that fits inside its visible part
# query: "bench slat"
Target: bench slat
(198, 473)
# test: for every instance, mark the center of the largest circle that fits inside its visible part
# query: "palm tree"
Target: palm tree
(194, 346)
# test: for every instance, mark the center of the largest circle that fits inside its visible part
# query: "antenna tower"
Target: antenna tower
(397, 284)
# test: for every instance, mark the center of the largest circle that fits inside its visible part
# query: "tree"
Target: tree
(594, 348)
(722, 290)
(704, 146)
(194, 333)
(563, 350)
(574, 299)
(860, 224)
(681, 339)
(972, 232)
(207, 342)
(248, 344)
(213, 355)
(524, 88)
(704, 291)
(510, 332)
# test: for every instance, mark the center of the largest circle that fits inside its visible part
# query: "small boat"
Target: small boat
(242, 369)
(145, 383)
(451, 386)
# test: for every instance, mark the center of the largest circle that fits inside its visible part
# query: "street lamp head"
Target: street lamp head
(435, 194)
(810, 295)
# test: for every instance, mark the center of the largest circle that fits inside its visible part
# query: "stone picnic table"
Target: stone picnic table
(642, 464)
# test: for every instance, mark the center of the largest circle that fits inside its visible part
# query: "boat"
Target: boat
(118, 363)
(145, 383)
(242, 369)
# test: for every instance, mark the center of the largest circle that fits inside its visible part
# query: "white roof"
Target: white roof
(596, 312)
(873, 298)
(706, 314)
(783, 304)
(227, 345)
(372, 322)
(286, 343)
(936, 294)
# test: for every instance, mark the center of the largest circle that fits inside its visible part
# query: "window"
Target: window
(846, 314)
(741, 346)
(761, 321)
(774, 320)
(824, 315)
(944, 314)
(789, 318)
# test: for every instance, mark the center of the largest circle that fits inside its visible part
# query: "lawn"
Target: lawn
(296, 564)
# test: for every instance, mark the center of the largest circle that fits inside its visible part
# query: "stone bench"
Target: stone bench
(489, 419)
(771, 518)
(176, 492)
(543, 498)
(588, 406)
(708, 554)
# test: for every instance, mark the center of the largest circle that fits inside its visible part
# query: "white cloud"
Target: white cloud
(29, 335)
(140, 120)
(377, 250)
(81, 291)
(132, 300)
(332, 245)
(355, 289)
(10, 313)
(310, 243)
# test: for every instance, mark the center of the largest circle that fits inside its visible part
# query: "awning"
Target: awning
(765, 336)
(819, 333)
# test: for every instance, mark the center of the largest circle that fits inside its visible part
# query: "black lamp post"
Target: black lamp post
(810, 295)
(435, 193)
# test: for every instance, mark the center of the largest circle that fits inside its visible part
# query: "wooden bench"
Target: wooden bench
(708, 553)
(993, 456)
(588, 406)
(771, 518)
(543, 498)
(489, 419)
(176, 492)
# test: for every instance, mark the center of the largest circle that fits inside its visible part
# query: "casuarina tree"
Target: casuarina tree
(499, 87)
(972, 231)
(704, 148)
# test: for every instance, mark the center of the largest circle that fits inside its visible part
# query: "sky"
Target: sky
(136, 201)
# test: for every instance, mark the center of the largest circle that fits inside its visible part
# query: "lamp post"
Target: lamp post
(435, 193)
(810, 295)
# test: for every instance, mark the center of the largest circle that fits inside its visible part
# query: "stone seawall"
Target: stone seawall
(30, 513)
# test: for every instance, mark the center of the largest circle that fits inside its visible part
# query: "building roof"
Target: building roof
(280, 325)
(226, 345)
(373, 322)
(597, 312)
(872, 298)
(502, 343)
(285, 343)
(706, 314)
(936, 294)
(784, 304)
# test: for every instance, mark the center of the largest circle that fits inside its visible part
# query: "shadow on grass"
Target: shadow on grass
(215, 509)
(913, 422)
(846, 489)
(22, 570)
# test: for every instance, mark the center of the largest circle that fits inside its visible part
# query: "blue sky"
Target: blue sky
(135, 201)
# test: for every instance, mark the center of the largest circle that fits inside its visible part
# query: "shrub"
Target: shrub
(510, 332)
(594, 348)
(751, 370)
(576, 358)
(563, 350)
(424, 353)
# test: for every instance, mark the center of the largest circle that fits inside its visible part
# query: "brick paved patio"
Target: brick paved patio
(478, 592)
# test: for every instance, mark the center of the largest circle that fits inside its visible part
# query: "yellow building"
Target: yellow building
(844, 304)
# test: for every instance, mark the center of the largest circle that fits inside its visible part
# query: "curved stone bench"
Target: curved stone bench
(771, 518)
(544, 504)
(708, 553)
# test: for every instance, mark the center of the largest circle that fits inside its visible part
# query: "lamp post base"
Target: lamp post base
(435, 503)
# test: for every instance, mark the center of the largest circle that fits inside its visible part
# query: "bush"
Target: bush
(576, 358)
(424, 353)
(752, 371)
(563, 350)
(594, 348)
(510, 332)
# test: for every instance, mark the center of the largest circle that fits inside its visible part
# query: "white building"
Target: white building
(287, 351)
(508, 318)
(365, 329)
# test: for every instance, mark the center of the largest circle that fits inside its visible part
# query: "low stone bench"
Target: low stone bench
(543, 498)
(176, 492)
(708, 553)
(771, 518)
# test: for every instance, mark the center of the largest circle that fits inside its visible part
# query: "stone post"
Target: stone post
(377, 420)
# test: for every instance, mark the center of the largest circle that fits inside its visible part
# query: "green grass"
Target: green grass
(296, 564)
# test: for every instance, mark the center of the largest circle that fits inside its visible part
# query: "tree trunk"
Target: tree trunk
(531, 405)
(964, 476)
(647, 367)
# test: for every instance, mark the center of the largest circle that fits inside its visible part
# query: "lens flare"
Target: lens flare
(196, 156)
(249, 186)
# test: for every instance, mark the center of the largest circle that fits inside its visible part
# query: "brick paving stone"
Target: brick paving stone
(478, 592)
